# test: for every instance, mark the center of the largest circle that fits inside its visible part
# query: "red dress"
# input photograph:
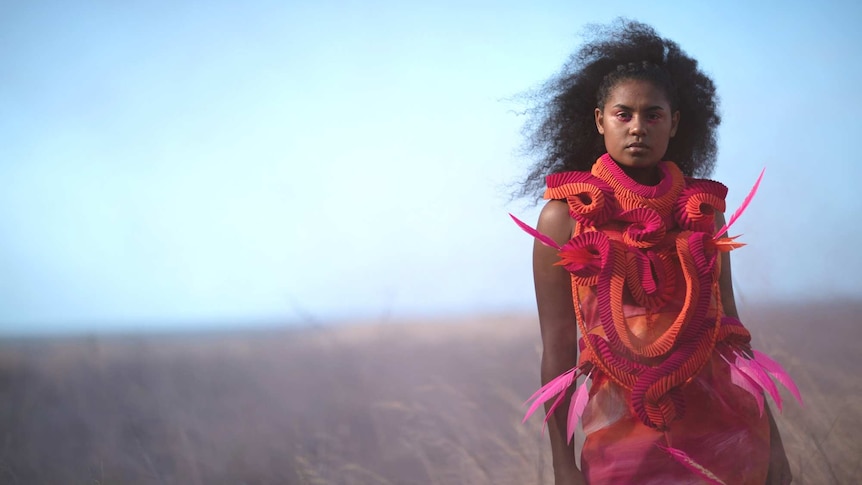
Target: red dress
(676, 391)
(721, 428)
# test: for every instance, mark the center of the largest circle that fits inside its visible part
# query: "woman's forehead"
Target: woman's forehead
(640, 92)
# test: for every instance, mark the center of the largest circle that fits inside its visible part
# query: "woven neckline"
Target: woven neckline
(648, 191)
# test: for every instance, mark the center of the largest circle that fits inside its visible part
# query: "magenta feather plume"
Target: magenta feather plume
(688, 462)
(554, 383)
(745, 382)
(576, 408)
(547, 392)
(761, 378)
(742, 207)
(546, 240)
(554, 406)
(778, 373)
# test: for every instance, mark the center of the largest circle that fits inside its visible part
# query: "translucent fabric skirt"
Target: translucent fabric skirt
(722, 429)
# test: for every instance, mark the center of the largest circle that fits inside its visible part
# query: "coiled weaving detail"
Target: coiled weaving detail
(628, 242)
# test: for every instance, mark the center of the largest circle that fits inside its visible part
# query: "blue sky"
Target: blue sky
(193, 164)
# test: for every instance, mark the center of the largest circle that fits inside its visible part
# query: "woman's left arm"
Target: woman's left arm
(779, 466)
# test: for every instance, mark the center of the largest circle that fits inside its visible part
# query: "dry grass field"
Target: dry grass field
(424, 403)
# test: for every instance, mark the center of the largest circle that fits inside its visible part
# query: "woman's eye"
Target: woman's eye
(654, 116)
(624, 116)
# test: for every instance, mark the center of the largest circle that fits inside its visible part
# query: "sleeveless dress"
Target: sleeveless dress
(676, 391)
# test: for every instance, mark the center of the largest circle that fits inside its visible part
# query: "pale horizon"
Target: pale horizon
(181, 166)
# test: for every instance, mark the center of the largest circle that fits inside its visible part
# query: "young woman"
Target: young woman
(632, 277)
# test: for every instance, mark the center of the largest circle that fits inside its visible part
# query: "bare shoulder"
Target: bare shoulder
(719, 221)
(555, 221)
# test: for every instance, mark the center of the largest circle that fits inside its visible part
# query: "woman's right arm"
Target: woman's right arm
(559, 330)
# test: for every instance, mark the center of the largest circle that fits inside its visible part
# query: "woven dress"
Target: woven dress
(673, 391)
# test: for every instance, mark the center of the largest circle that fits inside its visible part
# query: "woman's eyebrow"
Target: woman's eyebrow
(651, 108)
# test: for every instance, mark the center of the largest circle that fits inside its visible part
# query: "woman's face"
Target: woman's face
(637, 123)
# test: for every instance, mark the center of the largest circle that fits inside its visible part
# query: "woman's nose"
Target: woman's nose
(637, 126)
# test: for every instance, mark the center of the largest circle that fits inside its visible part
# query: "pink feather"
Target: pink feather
(576, 408)
(553, 383)
(761, 378)
(546, 240)
(742, 207)
(554, 387)
(779, 373)
(553, 408)
(688, 462)
(745, 382)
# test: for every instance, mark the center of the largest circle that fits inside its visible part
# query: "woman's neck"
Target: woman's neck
(649, 176)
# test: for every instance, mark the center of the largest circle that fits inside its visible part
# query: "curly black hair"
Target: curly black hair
(561, 128)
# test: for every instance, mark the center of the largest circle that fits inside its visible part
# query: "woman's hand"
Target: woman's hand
(779, 466)
(574, 477)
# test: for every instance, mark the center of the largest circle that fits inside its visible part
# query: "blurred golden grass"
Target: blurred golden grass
(427, 403)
